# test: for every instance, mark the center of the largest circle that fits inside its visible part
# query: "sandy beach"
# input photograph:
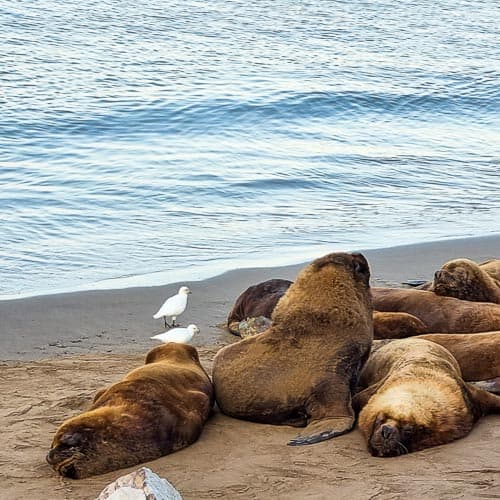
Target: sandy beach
(57, 350)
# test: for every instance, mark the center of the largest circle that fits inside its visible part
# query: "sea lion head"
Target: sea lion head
(94, 443)
(333, 289)
(173, 351)
(355, 264)
(460, 278)
(391, 437)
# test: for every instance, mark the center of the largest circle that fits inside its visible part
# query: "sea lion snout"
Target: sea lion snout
(386, 440)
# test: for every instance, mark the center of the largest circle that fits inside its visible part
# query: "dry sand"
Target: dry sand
(58, 350)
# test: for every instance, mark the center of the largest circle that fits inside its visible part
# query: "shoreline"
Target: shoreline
(120, 320)
(196, 274)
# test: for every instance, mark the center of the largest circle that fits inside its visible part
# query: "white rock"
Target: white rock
(142, 484)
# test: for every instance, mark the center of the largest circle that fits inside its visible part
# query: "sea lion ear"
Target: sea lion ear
(360, 265)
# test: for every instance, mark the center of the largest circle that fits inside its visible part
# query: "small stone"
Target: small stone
(253, 326)
(142, 484)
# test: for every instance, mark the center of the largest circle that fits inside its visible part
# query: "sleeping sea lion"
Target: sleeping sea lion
(440, 314)
(414, 397)
(491, 266)
(466, 280)
(478, 354)
(301, 371)
(154, 410)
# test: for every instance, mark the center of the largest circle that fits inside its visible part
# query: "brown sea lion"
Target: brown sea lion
(301, 371)
(440, 314)
(257, 300)
(396, 325)
(414, 397)
(491, 266)
(478, 354)
(466, 280)
(154, 410)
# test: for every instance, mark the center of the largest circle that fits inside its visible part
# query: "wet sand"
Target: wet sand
(57, 350)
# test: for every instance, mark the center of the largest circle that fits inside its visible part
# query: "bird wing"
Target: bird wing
(174, 335)
(172, 306)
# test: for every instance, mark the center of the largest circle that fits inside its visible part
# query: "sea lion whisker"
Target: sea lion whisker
(401, 445)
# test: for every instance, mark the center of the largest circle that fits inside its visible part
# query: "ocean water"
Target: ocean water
(161, 141)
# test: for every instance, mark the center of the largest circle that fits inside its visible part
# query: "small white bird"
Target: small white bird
(179, 335)
(173, 306)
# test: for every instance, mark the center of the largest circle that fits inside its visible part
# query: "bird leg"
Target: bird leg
(173, 322)
(166, 324)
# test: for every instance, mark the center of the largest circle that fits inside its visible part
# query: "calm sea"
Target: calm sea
(153, 141)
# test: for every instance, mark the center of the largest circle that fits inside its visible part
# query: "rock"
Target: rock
(142, 484)
(253, 326)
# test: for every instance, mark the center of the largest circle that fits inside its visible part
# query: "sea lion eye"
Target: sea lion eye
(407, 431)
(71, 439)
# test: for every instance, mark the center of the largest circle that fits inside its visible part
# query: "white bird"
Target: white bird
(179, 335)
(174, 306)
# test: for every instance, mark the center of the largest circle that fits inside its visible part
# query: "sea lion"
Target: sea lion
(440, 314)
(466, 280)
(414, 397)
(477, 354)
(301, 371)
(154, 410)
(257, 300)
(491, 266)
(396, 325)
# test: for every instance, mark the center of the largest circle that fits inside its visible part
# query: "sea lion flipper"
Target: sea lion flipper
(485, 402)
(360, 399)
(490, 385)
(324, 429)
(99, 393)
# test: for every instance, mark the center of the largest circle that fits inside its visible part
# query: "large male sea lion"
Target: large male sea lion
(301, 371)
(466, 280)
(154, 410)
(440, 314)
(414, 398)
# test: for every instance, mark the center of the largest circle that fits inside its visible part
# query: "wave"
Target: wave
(232, 116)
